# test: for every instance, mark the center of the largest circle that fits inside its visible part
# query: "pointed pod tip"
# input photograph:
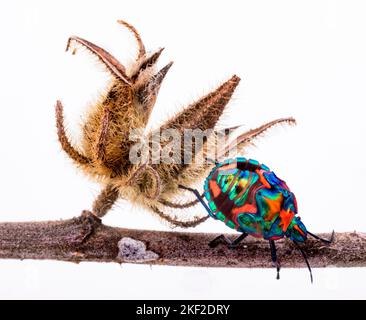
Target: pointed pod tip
(292, 121)
(235, 78)
(126, 24)
(68, 44)
(153, 56)
(59, 108)
(157, 53)
(162, 73)
(168, 66)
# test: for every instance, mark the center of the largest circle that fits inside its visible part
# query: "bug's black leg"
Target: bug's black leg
(274, 257)
(230, 243)
(305, 258)
(221, 238)
(239, 239)
(216, 241)
(197, 194)
(321, 239)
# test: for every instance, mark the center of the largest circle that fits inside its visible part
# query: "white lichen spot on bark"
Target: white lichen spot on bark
(131, 250)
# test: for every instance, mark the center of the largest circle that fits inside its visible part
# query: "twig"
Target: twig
(85, 238)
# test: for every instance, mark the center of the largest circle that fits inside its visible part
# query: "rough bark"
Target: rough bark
(85, 238)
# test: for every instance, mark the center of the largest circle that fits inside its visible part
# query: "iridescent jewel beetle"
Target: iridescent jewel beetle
(248, 197)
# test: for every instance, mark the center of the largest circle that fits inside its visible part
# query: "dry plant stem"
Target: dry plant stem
(105, 200)
(85, 238)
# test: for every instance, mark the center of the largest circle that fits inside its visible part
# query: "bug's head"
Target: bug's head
(297, 230)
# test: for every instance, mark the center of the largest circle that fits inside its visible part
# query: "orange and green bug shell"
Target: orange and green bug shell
(248, 197)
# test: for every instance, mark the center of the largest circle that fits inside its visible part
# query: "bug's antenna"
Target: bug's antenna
(305, 258)
(197, 194)
(321, 239)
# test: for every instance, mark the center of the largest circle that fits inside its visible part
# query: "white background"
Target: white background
(305, 59)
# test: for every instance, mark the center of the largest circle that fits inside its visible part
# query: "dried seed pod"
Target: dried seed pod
(104, 152)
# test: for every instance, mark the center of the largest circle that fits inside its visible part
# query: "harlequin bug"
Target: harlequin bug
(248, 197)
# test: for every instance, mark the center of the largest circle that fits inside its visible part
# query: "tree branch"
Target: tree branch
(85, 238)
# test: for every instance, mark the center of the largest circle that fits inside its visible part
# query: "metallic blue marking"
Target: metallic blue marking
(255, 162)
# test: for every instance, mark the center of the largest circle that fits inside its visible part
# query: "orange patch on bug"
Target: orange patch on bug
(296, 227)
(274, 207)
(247, 208)
(215, 189)
(263, 179)
(286, 218)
